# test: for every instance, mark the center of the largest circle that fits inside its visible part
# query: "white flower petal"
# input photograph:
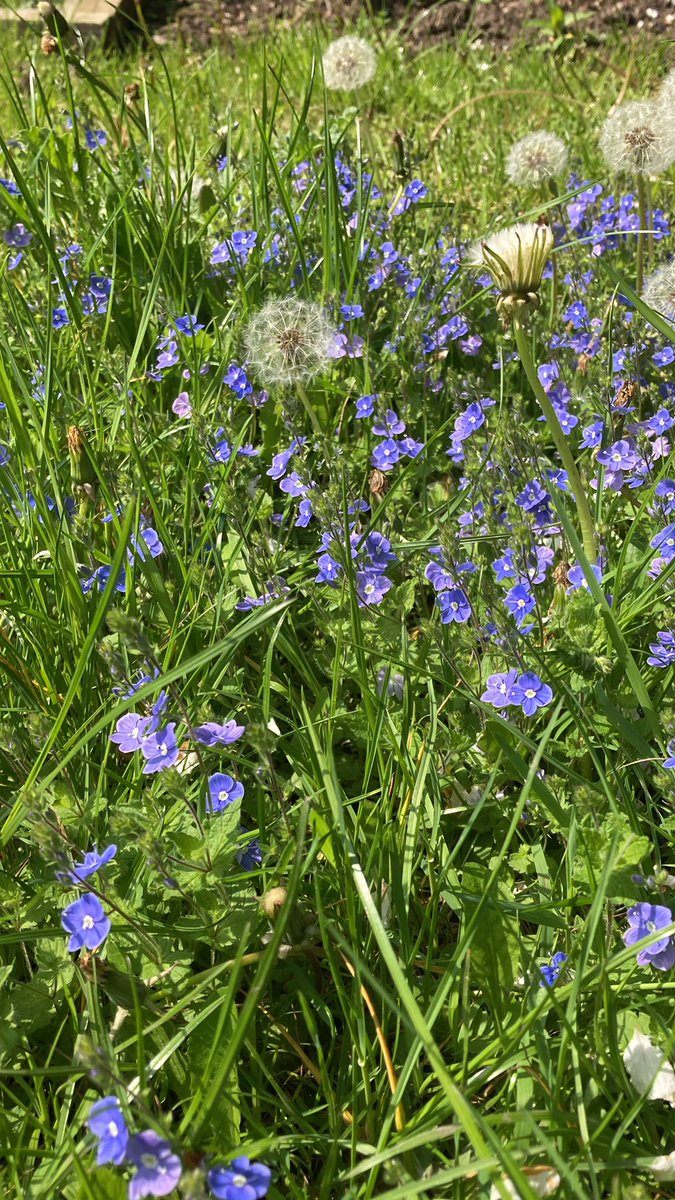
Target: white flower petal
(664, 1167)
(543, 1180)
(647, 1070)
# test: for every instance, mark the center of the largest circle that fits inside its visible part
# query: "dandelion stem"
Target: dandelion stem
(642, 233)
(650, 222)
(308, 407)
(562, 445)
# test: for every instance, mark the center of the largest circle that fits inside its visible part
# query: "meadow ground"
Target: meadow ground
(337, 628)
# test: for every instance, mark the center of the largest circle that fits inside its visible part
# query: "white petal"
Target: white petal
(647, 1070)
(543, 1180)
(664, 1167)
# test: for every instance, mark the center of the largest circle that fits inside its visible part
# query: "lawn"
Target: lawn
(337, 628)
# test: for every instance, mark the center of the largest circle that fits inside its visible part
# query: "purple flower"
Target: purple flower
(181, 405)
(498, 687)
(454, 606)
(385, 455)
(86, 922)
(241, 1180)
(160, 750)
(365, 406)
(669, 762)
(661, 421)
(371, 587)
(620, 456)
(188, 326)
(532, 495)
(550, 971)
(106, 1122)
(250, 856)
(223, 790)
(643, 920)
(351, 312)
(530, 693)
(212, 734)
(274, 590)
(664, 542)
(100, 578)
(130, 732)
(93, 861)
(410, 447)
(18, 236)
(158, 1169)
(389, 425)
(293, 486)
(519, 601)
(468, 422)
(577, 579)
(663, 650)
(593, 435)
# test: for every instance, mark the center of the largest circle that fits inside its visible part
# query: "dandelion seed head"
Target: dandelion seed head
(288, 340)
(536, 157)
(638, 137)
(348, 63)
(515, 257)
(666, 93)
(659, 291)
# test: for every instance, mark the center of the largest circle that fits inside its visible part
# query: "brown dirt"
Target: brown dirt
(421, 22)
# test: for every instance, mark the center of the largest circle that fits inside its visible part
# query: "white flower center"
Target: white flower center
(530, 692)
(163, 749)
(149, 1160)
(239, 1181)
(651, 926)
(88, 923)
(112, 1129)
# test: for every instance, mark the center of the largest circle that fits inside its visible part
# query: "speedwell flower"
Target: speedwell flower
(349, 62)
(86, 922)
(643, 920)
(106, 1122)
(158, 1169)
(515, 258)
(536, 157)
(241, 1180)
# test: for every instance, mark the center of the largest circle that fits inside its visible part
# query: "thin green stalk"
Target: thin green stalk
(642, 234)
(307, 405)
(562, 445)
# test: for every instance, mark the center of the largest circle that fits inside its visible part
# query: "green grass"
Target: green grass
(388, 1037)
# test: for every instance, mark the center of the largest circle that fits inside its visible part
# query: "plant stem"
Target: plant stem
(642, 233)
(650, 222)
(307, 405)
(562, 445)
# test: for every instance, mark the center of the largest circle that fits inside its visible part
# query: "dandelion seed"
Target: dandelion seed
(659, 291)
(515, 258)
(289, 340)
(536, 157)
(348, 63)
(639, 138)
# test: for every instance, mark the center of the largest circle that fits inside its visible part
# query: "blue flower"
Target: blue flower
(669, 762)
(93, 861)
(529, 693)
(212, 734)
(160, 750)
(663, 650)
(106, 1122)
(385, 455)
(86, 922)
(60, 318)
(100, 577)
(365, 406)
(241, 1180)
(223, 790)
(250, 856)
(644, 920)
(664, 542)
(188, 326)
(498, 688)
(371, 587)
(454, 606)
(17, 236)
(130, 732)
(351, 312)
(389, 425)
(158, 1169)
(551, 971)
(519, 601)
